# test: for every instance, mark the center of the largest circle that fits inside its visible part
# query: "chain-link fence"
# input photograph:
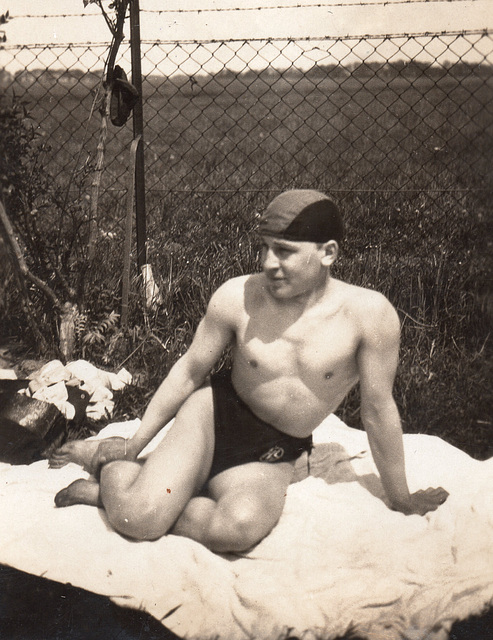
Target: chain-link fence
(409, 114)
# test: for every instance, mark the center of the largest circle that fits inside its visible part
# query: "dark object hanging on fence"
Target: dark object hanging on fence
(124, 97)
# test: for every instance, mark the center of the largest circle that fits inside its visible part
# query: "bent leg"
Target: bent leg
(246, 503)
(144, 501)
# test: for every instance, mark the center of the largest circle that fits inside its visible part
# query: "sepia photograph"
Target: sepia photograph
(246, 305)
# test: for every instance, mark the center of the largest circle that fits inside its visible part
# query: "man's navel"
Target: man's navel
(328, 375)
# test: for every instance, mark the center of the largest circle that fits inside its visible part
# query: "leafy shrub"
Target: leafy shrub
(49, 228)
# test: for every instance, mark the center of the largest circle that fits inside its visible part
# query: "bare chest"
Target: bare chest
(320, 347)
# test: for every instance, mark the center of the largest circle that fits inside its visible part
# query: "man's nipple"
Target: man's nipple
(253, 363)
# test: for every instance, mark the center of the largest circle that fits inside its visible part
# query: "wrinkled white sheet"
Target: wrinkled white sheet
(49, 384)
(338, 560)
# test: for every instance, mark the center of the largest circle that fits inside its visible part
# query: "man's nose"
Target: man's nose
(270, 261)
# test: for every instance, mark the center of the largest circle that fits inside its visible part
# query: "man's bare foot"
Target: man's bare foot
(79, 492)
(79, 451)
(90, 454)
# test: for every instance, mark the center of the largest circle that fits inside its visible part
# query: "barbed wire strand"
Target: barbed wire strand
(365, 36)
(387, 36)
(362, 3)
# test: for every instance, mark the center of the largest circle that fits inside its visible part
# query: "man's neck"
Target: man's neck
(310, 299)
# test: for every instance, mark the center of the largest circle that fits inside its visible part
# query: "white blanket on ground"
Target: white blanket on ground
(338, 560)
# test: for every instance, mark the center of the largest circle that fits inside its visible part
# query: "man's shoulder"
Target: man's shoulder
(364, 296)
(370, 307)
(232, 287)
(232, 292)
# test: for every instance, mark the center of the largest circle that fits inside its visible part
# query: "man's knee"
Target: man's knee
(137, 518)
(137, 525)
(242, 525)
(248, 528)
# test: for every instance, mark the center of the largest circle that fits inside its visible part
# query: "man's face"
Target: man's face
(291, 268)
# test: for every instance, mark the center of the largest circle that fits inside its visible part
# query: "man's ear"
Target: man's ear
(331, 249)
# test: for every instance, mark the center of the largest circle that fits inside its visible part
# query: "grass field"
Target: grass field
(257, 131)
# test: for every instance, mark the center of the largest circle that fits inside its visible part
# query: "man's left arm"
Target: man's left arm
(377, 363)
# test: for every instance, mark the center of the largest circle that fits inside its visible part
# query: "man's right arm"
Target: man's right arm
(215, 331)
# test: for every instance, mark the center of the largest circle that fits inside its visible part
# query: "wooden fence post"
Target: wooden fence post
(138, 128)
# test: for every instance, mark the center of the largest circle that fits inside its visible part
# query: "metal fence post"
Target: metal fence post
(138, 130)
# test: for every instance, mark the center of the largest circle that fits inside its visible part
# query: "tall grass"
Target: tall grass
(437, 280)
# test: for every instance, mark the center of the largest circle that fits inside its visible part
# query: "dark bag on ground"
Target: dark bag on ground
(27, 426)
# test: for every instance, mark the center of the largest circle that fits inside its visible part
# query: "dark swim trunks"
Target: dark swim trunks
(241, 437)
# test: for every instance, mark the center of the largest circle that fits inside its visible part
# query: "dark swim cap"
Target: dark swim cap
(303, 215)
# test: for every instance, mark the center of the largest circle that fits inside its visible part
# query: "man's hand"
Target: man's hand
(109, 449)
(423, 501)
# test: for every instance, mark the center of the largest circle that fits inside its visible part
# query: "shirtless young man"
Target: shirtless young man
(301, 340)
